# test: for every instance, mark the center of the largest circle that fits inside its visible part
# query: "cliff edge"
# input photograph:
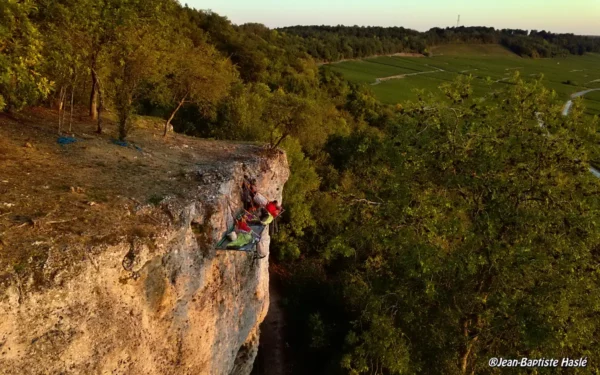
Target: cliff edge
(107, 252)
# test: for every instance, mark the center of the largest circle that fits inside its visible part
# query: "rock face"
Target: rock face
(169, 305)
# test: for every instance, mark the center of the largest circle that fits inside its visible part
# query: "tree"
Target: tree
(379, 349)
(288, 115)
(21, 82)
(200, 76)
(64, 52)
(79, 35)
(137, 61)
(139, 55)
(487, 238)
(80, 30)
(240, 115)
(103, 21)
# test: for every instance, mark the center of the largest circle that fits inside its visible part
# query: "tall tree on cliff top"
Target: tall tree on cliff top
(137, 62)
(97, 23)
(99, 29)
(65, 44)
(288, 115)
(20, 56)
(87, 29)
(140, 55)
(198, 75)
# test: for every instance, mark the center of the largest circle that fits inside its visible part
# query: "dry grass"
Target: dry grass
(59, 201)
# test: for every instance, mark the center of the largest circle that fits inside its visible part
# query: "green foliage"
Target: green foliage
(21, 82)
(196, 75)
(253, 112)
(318, 331)
(290, 115)
(486, 238)
(240, 116)
(138, 56)
(458, 90)
(62, 28)
(378, 349)
(299, 190)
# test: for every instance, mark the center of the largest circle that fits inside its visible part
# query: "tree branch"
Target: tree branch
(181, 102)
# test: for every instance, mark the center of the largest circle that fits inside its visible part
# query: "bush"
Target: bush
(569, 82)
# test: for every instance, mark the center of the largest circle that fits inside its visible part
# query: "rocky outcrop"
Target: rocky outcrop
(171, 304)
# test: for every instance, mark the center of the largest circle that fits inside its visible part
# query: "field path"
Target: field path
(400, 76)
(569, 103)
(565, 112)
(398, 54)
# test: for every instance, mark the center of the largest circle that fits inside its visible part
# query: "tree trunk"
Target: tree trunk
(279, 141)
(93, 94)
(124, 112)
(466, 352)
(64, 112)
(61, 107)
(71, 115)
(168, 123)
(123, 124)
(100, 107)
(464, 358)
(60, 101)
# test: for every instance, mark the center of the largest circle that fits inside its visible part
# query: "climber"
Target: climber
(241, 235)
(262, 217)
(253, 201)
(273, 208)
(265, 217)
(242, 226)
(249, 192)
(239, 241)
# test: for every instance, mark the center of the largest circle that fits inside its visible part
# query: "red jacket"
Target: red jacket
(243, 226)
(272, 209)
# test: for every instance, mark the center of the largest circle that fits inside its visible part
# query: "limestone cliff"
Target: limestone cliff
(165, 303)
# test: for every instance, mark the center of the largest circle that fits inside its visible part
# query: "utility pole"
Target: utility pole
(458, 21)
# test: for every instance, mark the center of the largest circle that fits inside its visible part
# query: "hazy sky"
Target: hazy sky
(576, 16)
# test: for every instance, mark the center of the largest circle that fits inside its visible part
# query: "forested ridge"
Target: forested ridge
(333, 43)
(421, 238)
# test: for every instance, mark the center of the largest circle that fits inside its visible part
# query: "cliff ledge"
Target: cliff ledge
(107, 258)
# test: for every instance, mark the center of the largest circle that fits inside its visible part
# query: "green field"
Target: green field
(564, 75)
(471, 50)
(592, 102)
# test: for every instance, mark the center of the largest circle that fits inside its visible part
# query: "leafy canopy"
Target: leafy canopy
(21, 82)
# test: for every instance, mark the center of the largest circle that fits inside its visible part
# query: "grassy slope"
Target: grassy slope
(592, 102)
(471, 49)
(492, 61)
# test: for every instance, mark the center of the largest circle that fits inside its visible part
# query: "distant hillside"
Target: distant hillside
(471, 50)
(334, 43)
